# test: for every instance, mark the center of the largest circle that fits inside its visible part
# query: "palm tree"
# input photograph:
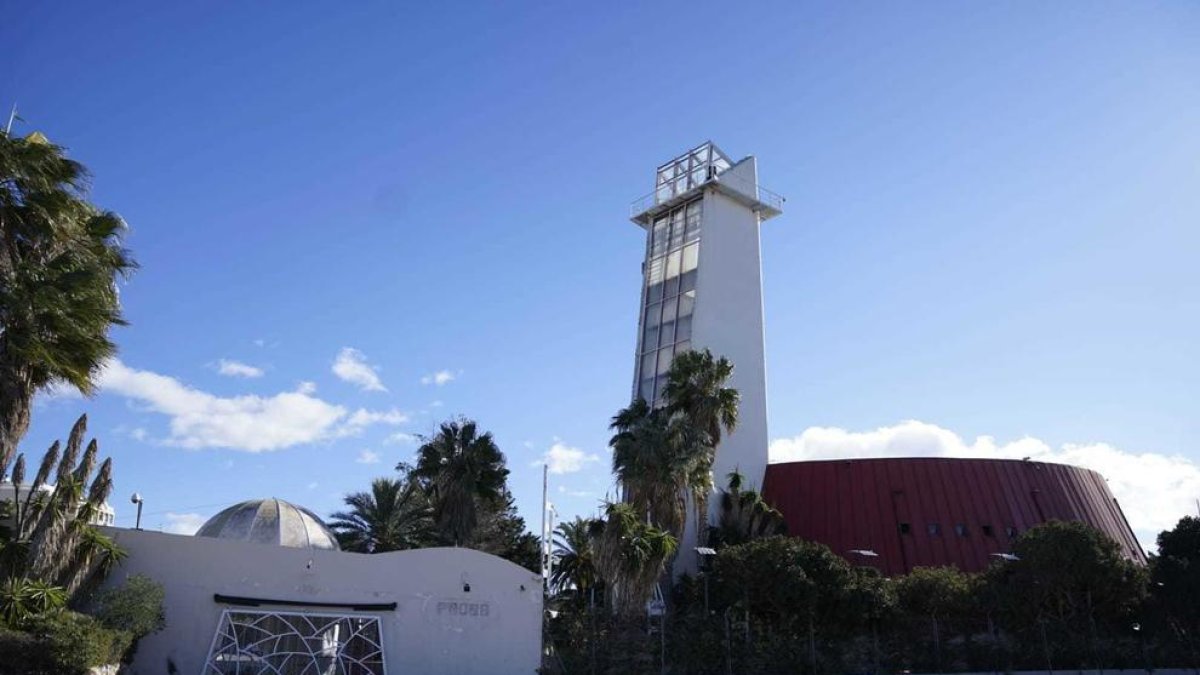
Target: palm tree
(574, 557)
(461, 470)
(393, 516)
(631, 555)
(60, 258)
(662, 456)
(696, 391)
(743, 515)
(656, 463)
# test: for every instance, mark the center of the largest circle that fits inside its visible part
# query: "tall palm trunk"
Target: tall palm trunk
(16, 403)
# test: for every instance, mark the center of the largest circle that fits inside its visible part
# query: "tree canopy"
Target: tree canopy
(463, 472)
(393, 516)
(60, 259)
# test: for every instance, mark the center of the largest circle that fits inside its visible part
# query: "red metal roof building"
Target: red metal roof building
(924, 512)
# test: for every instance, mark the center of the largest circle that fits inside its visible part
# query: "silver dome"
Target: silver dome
(270, 521)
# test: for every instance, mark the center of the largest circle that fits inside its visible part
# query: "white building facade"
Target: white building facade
(702, 288)
(235, 607)
(19, 495)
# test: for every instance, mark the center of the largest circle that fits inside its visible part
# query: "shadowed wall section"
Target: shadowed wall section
(923, 512)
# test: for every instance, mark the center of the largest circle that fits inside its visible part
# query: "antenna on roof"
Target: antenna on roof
(12, 115)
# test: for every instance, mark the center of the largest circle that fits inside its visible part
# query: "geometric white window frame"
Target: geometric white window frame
(253, 642)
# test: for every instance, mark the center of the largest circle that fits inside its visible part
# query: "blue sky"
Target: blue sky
(991, 229)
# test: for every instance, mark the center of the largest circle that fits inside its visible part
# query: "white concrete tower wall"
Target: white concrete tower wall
(703, 289)
(729, 321)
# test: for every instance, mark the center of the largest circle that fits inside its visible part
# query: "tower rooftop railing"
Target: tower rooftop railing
(768, 203)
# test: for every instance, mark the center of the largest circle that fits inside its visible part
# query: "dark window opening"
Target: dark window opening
(935, 529)
(987, 531)
(1011, 532)
(905, 528)
(960, 529)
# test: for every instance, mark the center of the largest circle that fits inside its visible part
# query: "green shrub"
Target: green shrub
(60, 643)
(23, 599)
(17, 650)
(135, 607)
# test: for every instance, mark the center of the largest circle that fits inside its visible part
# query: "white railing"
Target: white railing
(771, 199)
(668, 192)
(643, 204)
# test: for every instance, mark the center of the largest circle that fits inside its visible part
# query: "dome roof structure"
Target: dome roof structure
(270, 521)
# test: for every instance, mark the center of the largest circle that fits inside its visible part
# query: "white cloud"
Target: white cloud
(139, 434)
(250, 423)
(368, 457)
(58, 391)
(183, 523)
(573, 493)
(1154, 490)
(401, 438)
(440, 377)
(306, 387)
(363, 417)
(562, 458)
(230, 368)
(351, 365)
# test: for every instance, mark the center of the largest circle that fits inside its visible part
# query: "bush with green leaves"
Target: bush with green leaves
(60, 643)
(1176, 576)
(135, 607)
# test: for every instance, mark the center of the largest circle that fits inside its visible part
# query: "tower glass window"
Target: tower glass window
(672, 258)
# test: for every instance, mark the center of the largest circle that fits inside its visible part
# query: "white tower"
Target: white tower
(702, 288)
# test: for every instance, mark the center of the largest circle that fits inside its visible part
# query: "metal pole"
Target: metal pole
(549, 543)
(812, 642)
(662, 635)
(875, 643)
(706, 612)
(545, 470)
(1046, 647)
(542, 556)
(11, 116)
(728, 646)
(138, 524)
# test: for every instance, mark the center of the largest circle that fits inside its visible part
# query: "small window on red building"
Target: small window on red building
(934, 529)
(1011, 532)
(987, 531)
(960, 529)
(905, 528)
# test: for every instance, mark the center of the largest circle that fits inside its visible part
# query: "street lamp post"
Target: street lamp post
(868, 554)
(705, 554)
(137, 499)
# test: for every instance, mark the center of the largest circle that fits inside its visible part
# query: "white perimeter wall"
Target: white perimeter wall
(422, 635)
